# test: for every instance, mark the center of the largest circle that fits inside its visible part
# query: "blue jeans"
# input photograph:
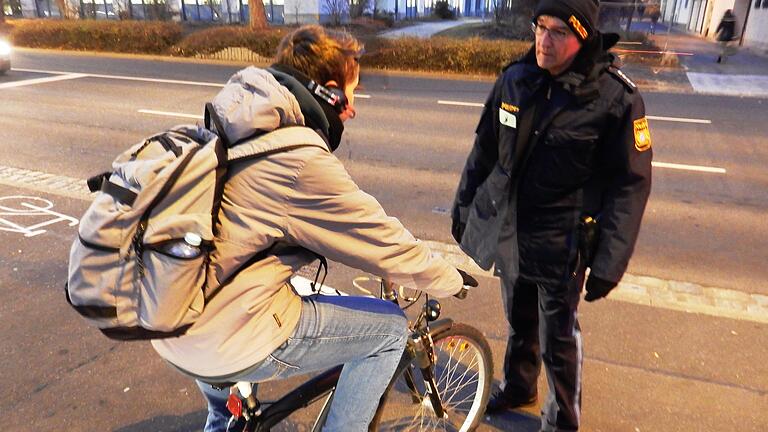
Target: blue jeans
(366, 335)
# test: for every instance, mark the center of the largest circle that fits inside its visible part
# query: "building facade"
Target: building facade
(703, 17)
(226, 11)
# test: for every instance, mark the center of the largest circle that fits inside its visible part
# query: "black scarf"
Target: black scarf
(318, 115)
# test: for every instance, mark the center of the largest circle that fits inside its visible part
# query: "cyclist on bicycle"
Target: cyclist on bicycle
(301, 202)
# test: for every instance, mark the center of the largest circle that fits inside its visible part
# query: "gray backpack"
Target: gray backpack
(138, 267)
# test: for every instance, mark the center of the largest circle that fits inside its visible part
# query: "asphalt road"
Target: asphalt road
(646, 368)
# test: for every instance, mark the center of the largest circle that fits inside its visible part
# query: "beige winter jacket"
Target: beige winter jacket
(300, 197)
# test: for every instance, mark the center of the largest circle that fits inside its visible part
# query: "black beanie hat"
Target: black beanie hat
(579, 15)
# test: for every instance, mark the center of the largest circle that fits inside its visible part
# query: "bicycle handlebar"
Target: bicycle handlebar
(462, 294)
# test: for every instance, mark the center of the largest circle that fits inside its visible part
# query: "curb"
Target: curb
(649, 291)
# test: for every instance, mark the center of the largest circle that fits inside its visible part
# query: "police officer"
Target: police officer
(557, 181)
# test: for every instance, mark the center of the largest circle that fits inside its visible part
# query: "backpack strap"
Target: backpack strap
(211, 116)
(279, 140)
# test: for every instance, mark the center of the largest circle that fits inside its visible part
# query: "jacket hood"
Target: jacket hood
(253, 102)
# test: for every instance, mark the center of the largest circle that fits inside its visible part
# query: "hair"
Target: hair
(323, 55)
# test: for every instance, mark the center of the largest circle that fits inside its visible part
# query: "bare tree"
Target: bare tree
(257, 14)
(296, 10)
(629, 13)
(336, 9)
(66, 9)
(357, 7)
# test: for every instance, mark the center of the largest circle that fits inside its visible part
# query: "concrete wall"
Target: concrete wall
(756, 33)
(718, 9)
(740, 10)
(302, 11)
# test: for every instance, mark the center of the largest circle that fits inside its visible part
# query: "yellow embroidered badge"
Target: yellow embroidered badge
(509, 107)
(642, 135)
(578, 27)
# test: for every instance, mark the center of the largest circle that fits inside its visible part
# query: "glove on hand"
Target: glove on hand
(467, 279)
(598, 288)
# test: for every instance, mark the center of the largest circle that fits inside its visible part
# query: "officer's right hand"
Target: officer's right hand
(467, 281)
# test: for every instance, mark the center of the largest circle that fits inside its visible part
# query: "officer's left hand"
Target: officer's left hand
(598, 288)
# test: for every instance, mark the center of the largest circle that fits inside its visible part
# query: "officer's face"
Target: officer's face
(556, 45)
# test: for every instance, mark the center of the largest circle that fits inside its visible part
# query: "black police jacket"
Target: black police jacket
(589, 153)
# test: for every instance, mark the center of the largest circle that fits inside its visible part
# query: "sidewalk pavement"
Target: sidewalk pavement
(743, 74)
(427, 29)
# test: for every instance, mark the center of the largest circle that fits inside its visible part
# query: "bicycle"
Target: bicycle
(452, 359)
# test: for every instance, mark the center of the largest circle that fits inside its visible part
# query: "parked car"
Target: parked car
(5, 56)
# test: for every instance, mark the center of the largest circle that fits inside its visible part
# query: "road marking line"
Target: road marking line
(171, 114)
(642, 290)
(656, 164)
(680, 53)
(127, 78)
(35, 81)
(659, 118)
(469, 104)
(679, 119)
(685, 167)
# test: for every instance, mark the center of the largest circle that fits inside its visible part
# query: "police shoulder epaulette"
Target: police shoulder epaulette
(631, 86)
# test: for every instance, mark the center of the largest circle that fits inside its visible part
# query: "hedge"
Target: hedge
(115, 36)
(214, 39)
(435, 54)
(445, 54)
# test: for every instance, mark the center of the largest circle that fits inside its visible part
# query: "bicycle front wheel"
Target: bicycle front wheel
(463, 372)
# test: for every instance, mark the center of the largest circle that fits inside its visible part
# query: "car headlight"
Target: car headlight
(5, 48)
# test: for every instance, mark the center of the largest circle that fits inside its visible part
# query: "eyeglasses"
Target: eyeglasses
(557, 34)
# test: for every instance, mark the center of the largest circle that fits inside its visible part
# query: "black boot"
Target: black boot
(719, 58)
(500, 402)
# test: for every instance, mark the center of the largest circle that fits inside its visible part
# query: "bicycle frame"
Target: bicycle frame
(301, 397)
(418, 352)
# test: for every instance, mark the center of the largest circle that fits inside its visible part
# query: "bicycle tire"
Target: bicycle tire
(461, 345)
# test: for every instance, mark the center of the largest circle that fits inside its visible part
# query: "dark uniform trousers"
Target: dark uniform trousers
(544, 325)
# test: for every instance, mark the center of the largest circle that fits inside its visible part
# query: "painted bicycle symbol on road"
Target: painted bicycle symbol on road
(29, 209)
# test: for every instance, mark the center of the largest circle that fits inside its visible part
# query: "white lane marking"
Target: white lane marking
(455, 103)
(35, 81)
(171, 114)
(659, 118)
(130, 78)
(685, 167)
(127, 78)
(679, 119)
